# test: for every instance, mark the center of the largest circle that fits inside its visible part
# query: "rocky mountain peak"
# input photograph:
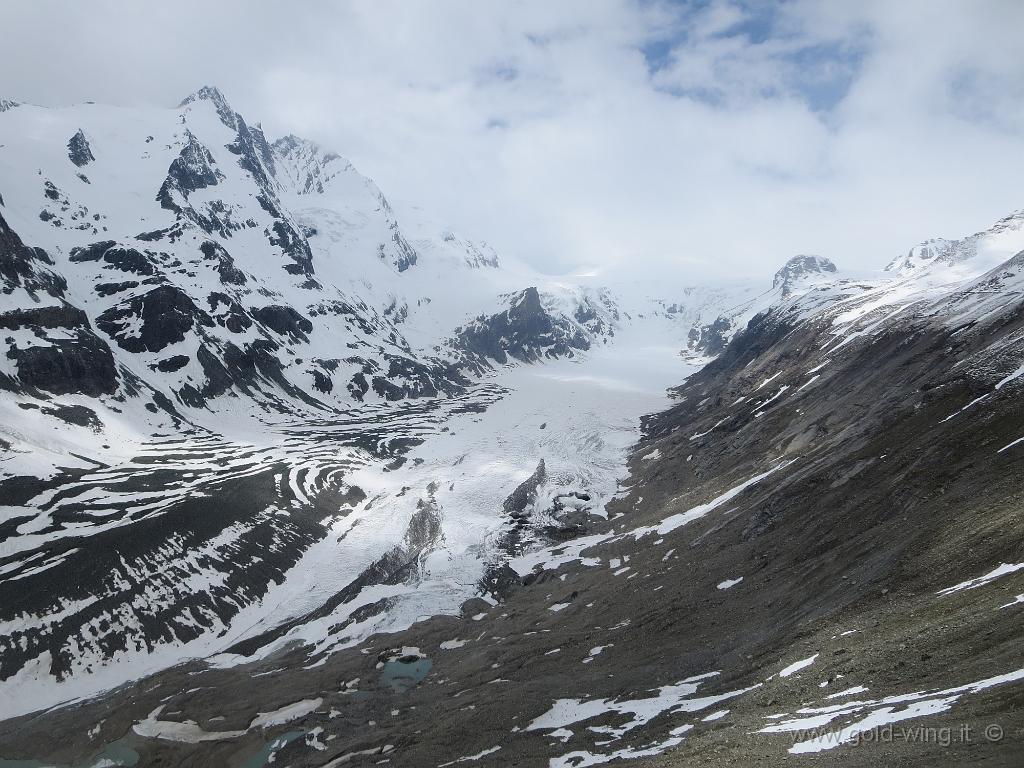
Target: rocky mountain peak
(210, 93)
(799, 268)
(6, 104)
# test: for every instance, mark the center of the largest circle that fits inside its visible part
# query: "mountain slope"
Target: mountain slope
(229, 367)
(820, 531)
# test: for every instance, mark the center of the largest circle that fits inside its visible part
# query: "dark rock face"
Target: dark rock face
(191, 170)
(322, 382)
(79, 151)
(120, 258)
(165, 314)
(710, 339)
(254, 155)
(173, 363)
(406, 254)
(109, 289)
(74, 361)
(294, 245)
(406, 377)
(525, 494)
(76, 415)
(285, 321)
(799, 267)
(525, 331)
(81, 365)
(57, 316)
(25, 267)
(228, 313)
(229, 273)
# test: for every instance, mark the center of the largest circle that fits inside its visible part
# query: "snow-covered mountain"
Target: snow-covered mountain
(254, 414)
(191, 268)
(183, 298)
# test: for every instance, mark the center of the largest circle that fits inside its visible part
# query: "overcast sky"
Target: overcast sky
(714, 138)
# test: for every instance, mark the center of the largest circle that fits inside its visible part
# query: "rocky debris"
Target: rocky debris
(79, 151)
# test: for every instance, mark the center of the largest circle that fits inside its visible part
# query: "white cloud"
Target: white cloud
(851, 130)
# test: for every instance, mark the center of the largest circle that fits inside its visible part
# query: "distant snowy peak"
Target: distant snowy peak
(976, 253)
(304, 167)
(6, 104)
(535, 326)
(477, 255)
(801, 269)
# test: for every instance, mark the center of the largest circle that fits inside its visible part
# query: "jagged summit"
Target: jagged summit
(800, 267)
(6, 104)
(213, 94)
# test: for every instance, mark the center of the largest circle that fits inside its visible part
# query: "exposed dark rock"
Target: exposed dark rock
(228, 312)
(285, 321)
(173, 363)
(525, 494)
(25, 267)
(229, 273)
(525, 332)
(76, 415)
(121, 258)
(79, 365)
(294, 245)
(710, 339)
(79, 151)
(109, 289)
(322, 381)
(191, 170)
(163, 316)
(58, 316)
